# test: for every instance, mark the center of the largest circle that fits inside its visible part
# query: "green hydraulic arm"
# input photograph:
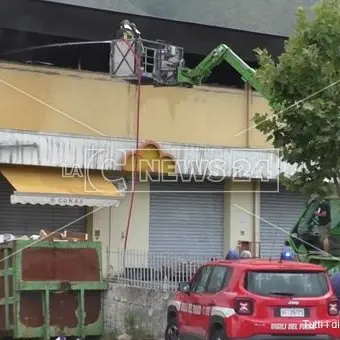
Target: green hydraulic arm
(222, 53)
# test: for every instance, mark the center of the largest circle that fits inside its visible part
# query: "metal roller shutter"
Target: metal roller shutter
(21, 220)
(185, 222)
(279, 209)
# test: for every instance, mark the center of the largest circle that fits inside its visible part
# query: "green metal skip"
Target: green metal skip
(48, 289)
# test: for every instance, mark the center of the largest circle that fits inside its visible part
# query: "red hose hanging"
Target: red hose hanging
(133, 191)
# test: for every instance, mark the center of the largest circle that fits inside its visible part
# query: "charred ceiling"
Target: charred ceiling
(31, 23)
(74, 22)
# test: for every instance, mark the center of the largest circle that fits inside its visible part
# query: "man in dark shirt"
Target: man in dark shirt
(324, 218)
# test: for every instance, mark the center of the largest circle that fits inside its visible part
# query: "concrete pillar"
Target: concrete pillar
(241, 211)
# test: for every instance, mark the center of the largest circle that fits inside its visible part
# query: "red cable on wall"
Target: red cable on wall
(139, 87)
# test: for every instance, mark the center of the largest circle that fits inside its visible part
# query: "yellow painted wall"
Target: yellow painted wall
(240, 213)
(111, 223)
(72, 102)
(256, 138)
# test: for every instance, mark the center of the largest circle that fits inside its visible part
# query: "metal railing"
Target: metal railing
(139, 268)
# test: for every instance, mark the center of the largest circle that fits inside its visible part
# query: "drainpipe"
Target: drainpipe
(109, 250)
(254, 187)
(247, 98)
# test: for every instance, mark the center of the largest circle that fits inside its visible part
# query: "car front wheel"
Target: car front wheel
(172, 331)
(219, 335)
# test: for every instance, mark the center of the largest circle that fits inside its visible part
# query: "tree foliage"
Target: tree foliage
(303, 88)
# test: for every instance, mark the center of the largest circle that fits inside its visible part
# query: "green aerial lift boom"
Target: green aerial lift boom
(220, 54)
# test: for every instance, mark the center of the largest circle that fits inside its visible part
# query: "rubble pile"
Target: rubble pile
(48, 235)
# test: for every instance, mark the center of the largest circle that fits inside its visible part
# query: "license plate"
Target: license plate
(292, 312)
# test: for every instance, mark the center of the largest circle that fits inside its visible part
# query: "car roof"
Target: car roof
(259, 264)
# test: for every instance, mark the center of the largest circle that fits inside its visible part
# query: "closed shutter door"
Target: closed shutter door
(19, 220)
(188, 223)
(281, 211)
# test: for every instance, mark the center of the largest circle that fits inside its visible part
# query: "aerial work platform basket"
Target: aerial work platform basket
(48, 289)
(154, 60)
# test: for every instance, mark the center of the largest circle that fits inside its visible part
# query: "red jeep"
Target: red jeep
(255, 300)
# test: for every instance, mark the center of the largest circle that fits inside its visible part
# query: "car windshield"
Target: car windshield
(299, 284)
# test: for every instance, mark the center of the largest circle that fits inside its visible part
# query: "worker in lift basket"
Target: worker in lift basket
(125, 30)
(128, 31)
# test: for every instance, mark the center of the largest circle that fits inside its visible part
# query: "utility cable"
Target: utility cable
(67, 44)
(135, 154)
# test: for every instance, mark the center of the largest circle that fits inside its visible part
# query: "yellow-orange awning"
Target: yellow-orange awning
(46, 185)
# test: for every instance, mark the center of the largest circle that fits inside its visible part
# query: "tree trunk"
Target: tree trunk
(337, 185)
